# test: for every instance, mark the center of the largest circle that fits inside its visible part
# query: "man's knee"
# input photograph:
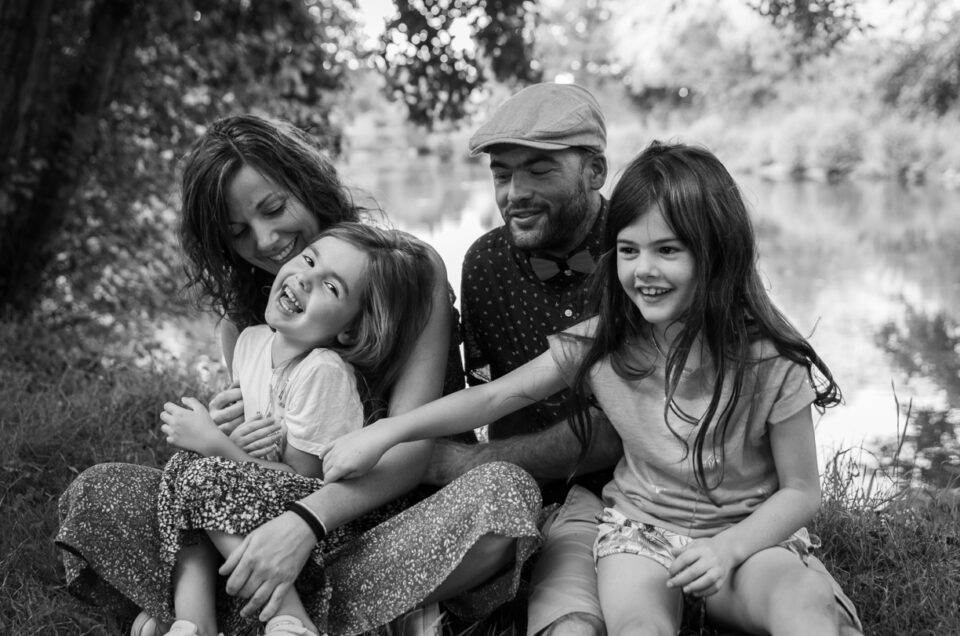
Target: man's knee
(576, 624)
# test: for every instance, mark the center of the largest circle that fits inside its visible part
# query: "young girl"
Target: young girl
(709, 387)
(341, 318)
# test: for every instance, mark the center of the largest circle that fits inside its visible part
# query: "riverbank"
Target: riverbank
(62, 409)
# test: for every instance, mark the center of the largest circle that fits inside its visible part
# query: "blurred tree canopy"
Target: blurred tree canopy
(812, 27)
(925, 77)
(434, 67)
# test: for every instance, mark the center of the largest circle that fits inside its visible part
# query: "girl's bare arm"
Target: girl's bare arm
(786, 511)
(353, 454)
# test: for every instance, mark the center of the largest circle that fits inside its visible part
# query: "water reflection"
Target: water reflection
(926, 347)
(844, 261)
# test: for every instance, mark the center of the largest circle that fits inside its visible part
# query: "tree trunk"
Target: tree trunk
(56, 138)
(23, 59)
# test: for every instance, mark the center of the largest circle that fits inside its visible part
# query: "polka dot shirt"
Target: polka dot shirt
(508, 312)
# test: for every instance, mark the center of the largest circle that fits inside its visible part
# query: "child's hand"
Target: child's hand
(226, 408)
(259, 437)
(701, 568)
(353, 454)
(190, 426)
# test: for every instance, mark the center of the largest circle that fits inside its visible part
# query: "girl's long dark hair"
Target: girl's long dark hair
(225, 283)
(396, 302)
(730, 309)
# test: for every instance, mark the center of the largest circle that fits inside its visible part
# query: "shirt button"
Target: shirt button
(567, 312)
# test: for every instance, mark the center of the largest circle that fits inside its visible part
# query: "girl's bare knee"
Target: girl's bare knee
(808, 594)
(812, 587)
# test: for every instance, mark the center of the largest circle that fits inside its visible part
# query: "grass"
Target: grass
(62, 409)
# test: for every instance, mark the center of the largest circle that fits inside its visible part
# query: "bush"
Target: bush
(838, 146)
(901, 151)
(791, 140)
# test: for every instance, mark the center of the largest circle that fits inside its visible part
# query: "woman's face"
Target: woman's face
(268, 225)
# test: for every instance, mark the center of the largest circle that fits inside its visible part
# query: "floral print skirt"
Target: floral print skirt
(121, 526)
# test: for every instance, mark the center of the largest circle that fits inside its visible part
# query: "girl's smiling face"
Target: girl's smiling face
(656, 270)
(316, 296)
(268, 225)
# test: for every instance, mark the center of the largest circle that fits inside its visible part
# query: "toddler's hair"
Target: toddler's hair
(397, 299)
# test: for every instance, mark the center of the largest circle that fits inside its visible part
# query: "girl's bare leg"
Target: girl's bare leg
(194, 586)
(635, 598)
(291, 605)
(774, 592)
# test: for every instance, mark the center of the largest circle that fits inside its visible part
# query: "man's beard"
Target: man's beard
(563, 230)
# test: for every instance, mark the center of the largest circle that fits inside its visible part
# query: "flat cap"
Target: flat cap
(548, 116)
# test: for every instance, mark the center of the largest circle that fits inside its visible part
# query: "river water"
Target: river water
(852, 264)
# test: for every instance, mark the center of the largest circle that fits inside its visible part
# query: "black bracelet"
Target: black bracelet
(307, 515)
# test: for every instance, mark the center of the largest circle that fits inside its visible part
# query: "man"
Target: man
(522, 282)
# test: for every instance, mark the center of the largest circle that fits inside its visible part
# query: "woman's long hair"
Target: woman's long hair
(397, 300)
(730, 308)
(225, 283)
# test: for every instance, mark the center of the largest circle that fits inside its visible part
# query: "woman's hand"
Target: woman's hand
(354, 454)
(264, 566)
(226, 408)
(701, 567)
(190, 427)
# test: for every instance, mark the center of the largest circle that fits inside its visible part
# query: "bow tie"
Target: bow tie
(547, 268)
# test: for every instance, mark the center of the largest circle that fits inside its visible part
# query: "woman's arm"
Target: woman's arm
(421, 378)
(354, 454)
(228, 343)
(704, 565)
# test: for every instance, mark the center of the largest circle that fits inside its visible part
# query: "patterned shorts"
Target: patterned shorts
(616, 534)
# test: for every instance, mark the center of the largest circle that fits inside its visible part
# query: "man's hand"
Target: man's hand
(265, 565)
(190, 427)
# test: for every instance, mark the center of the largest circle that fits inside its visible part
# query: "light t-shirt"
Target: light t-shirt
(321, 400)
(655, 481)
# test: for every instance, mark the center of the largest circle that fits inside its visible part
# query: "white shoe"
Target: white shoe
(285, 625)
(425, 620)
(182, 628)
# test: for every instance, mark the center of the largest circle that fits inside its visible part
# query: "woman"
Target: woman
(255, 193)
